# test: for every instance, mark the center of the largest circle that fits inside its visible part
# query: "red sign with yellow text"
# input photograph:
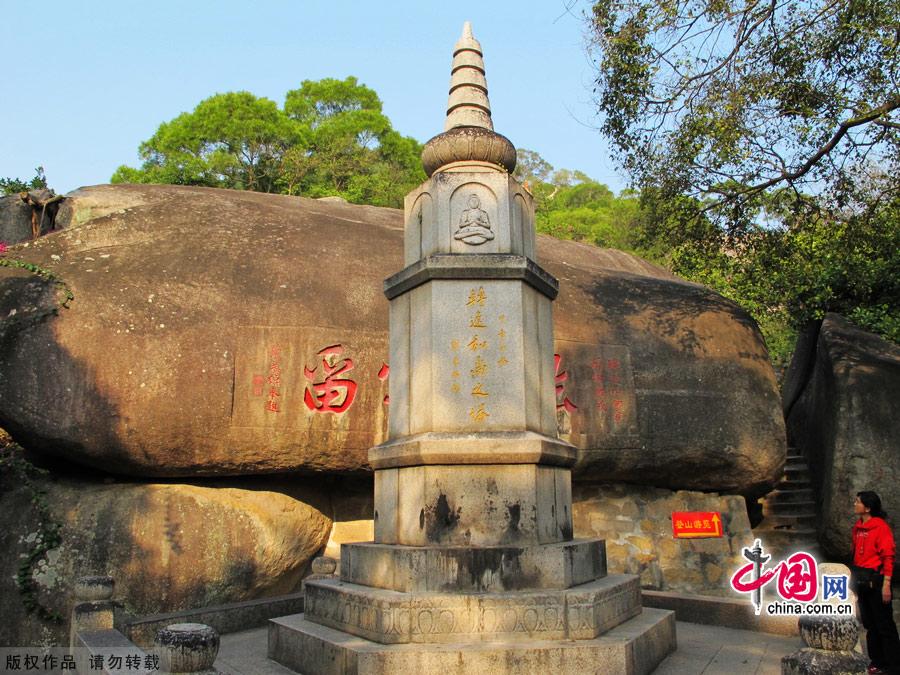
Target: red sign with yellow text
(695, 524)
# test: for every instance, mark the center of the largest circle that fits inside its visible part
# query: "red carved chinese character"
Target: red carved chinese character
(560, 387)
(383, 375)
(333, 394)
(259, 382)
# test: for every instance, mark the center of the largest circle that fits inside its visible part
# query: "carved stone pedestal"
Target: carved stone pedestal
(635, 646)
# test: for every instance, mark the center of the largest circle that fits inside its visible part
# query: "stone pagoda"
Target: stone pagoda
(473, 567)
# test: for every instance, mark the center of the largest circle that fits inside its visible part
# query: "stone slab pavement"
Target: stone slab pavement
(706, 650)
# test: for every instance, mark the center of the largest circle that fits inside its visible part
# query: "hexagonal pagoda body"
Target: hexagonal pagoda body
(472, 354)
(468, 207)
(472, 456)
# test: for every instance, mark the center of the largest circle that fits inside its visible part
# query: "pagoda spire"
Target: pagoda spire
(468, 130)
(468, 105)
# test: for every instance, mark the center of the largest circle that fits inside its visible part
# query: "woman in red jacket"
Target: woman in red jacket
(873, 565)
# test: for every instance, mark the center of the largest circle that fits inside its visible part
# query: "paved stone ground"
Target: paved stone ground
(712, 650)
(709, 650)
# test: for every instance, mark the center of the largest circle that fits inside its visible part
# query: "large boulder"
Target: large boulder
(843, 415)
(216, 332)
(15, 220)
(168, 546)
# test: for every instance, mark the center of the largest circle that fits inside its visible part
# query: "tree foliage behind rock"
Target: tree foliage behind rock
(330, 138)
(11, 186)
(726, 100)
(765, 141)
(793, 262)
(572, 205)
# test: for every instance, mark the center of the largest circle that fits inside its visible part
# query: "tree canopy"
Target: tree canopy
(764, 139)
(726, 100)
(11, 186)
(330, 138)
(571, 205)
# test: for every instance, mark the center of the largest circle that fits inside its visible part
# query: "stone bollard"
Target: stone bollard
(187, 648)
(322, 567)
(830, 640)
(94, 607)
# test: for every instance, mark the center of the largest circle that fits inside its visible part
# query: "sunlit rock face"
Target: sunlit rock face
(218, 333)
(168, 546)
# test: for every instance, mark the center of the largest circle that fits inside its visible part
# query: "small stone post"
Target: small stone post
(94, 607)
(187, 648)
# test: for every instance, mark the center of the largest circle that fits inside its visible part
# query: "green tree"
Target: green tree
(11, 186)
(765, 141)
(571, 205)
(726, 100)
(353, 151)
(331, 138)
(232, 140)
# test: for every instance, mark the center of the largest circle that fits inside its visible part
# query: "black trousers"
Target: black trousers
(882, 641)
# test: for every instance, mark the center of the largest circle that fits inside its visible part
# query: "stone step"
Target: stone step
(635, 647)
(795, 472)
(789, 495)
(787, 540)
(778, 508)
(794, 484)
(391, 617)
(789, 521)
(797, 468)
(780, 524)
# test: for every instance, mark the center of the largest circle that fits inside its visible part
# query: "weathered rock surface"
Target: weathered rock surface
(636, 523)
(167, 546)
(199, 312)
(15, 220)
(845, 420)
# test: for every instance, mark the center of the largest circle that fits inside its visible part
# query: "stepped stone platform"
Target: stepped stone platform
(634, 646)
(417, 608)
(390, 617)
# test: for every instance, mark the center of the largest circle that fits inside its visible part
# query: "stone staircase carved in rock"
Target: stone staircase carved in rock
(789, 511)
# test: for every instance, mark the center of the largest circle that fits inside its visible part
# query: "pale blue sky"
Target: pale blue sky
(85, 82)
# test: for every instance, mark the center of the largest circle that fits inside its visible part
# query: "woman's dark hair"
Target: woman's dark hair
(872, 502)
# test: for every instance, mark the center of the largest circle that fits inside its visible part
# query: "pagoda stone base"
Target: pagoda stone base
(474, 568)
(635, 646)
(390, 617)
